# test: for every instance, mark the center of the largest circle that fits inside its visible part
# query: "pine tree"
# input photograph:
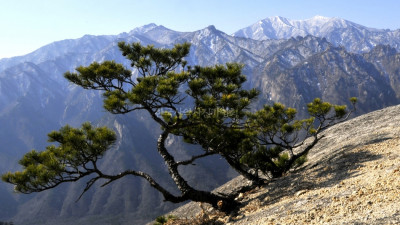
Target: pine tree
(217, 117)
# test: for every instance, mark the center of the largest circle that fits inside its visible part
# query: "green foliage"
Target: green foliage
(144, 57)
(282, 160)
(77, 148)
(318, 108)
(164, 219)
(107, 72)
(157, 87)
(220, 87)
(220, 106)
(277, 133)
(353, 100)
(300, 161)
(261, 158)
(340, 110)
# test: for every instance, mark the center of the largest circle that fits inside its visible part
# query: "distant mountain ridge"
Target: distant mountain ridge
(35, 99)
(355, 37)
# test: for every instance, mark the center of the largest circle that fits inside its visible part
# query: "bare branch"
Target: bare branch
(89, 184)
(189, 161)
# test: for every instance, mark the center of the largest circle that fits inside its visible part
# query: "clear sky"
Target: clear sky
(26, 25)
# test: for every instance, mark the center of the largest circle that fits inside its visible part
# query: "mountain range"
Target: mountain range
(340, 32)
(288, 61)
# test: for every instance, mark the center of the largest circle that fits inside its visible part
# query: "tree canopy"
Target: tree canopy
(218, 115)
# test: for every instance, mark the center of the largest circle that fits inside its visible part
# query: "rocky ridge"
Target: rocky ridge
(352, 176)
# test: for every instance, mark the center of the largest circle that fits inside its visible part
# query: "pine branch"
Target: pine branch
(190, 161)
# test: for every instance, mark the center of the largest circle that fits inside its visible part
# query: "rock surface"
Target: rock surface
(352, 176)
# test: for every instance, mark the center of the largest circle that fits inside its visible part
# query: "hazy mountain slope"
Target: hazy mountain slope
(333, 74)
(82, 48)
(340, 32)
(387, 60)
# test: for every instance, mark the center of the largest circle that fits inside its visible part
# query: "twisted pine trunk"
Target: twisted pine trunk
(223, 203)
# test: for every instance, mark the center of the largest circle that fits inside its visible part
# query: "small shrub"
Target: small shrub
(164, 219)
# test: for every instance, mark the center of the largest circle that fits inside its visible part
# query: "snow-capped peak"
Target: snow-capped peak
(278, 19)
(144, 29)
(318, 17)
(205, 32)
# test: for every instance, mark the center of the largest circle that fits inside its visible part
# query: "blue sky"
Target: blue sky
(26, 25)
